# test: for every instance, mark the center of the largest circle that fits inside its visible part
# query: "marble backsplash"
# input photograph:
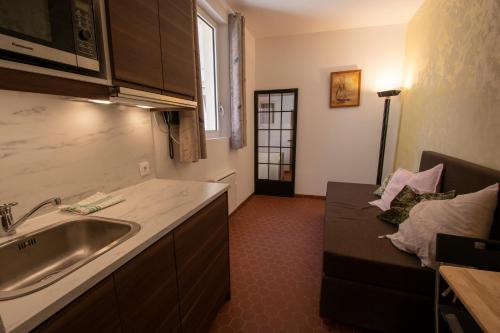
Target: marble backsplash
(54, 146)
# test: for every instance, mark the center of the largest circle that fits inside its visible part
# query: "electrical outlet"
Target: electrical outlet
(144, 169)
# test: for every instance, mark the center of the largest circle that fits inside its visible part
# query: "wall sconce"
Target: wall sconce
(387, 94)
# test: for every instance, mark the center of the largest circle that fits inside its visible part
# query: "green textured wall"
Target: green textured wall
(452, 73)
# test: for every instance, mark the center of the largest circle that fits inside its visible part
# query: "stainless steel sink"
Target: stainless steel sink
(34, 261)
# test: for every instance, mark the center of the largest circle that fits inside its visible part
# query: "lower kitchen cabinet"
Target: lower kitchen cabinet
(175, 285)
(94, 311)
(146, 290)
(202, 255)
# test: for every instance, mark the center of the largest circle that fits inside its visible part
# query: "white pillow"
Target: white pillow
(468, 215)
(421, 182)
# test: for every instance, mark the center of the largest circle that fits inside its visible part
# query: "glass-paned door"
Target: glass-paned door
(275, 141)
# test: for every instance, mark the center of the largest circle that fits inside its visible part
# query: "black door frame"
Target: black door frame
(267, 186)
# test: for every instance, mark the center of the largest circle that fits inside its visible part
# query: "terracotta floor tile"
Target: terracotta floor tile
(276, 258)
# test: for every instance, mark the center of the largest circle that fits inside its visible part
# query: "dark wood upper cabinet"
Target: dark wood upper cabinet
(152, 45)
(146, 289)
(135, 46)
(178, 46)
(94, 311)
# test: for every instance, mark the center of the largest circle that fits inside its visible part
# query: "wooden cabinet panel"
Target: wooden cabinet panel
(202, 256)
(178, 46)
(211, 290)
(45, 84)
(146, 290)
(134, 33)
(94, 311)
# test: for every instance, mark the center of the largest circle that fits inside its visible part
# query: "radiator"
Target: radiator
(229, 177)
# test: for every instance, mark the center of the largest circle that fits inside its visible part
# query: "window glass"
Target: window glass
(206, 40)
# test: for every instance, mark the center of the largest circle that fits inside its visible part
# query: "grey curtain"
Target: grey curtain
(192, 144)
(237, 80)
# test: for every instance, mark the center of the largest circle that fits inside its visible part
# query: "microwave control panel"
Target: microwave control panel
(84, 29)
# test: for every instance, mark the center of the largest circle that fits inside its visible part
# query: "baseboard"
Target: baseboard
(242, 204)
(308, 196)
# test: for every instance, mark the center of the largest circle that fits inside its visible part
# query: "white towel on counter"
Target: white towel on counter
(92, 204)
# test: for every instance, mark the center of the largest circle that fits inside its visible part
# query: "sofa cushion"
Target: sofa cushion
(353, 251)
(464, 177)
(467, 215)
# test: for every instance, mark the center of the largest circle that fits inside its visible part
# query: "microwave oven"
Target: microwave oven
(59, 34)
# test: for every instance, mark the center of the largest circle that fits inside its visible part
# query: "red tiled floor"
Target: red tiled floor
(275, 248)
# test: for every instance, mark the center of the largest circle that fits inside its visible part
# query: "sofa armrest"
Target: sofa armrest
(466, 251)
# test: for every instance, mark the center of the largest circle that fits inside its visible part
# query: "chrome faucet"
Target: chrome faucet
(9, 226)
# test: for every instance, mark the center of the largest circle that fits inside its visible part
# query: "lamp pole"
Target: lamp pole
(385, 123)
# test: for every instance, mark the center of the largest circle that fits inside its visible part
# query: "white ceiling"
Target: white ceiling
(266, 18)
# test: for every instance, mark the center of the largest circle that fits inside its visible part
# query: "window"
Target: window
(206, 40)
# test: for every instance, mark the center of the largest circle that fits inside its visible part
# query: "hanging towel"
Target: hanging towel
(93, 204)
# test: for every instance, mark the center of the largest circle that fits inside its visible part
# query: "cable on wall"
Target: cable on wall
(168, 120)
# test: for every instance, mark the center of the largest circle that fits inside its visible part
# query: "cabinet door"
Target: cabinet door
(94, 311)
(178, 46)
(134, 33)
(146, 290)
(202, 255)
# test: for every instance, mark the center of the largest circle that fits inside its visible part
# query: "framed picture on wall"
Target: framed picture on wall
(345, 88)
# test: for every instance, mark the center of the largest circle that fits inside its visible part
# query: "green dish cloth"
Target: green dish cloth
(93, 204)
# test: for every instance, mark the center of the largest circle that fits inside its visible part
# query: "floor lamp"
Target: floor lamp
(387, 94)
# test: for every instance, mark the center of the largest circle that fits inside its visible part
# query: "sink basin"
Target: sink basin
(34, 261)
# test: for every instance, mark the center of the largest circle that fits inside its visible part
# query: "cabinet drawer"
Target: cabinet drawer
(211, 290)
(146, 289)
(202, 257)
(94, 311)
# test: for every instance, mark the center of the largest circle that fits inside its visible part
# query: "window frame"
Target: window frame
(211, 134)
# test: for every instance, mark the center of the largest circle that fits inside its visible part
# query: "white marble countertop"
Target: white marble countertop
(158, 205)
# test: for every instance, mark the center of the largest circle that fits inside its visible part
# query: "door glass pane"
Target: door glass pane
(286, 174)
(287, 120)
(263, 139)
(275, 131)
(286, 138)
(274, 172)
(275, 102)
(275, 138)
(275, 120)
(288, 102)
(264, 118)
(274, 155)
(263, 101)
(263, 171)
(286, 154)
(263, 155)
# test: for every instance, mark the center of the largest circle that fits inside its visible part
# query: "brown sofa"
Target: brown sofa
(366, 281)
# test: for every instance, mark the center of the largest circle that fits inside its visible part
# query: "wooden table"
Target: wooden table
(479, 291)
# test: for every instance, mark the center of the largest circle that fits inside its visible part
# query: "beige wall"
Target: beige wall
(453, 74)
(336, 144)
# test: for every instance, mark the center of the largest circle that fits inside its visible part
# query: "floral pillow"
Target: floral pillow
(404, 202)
